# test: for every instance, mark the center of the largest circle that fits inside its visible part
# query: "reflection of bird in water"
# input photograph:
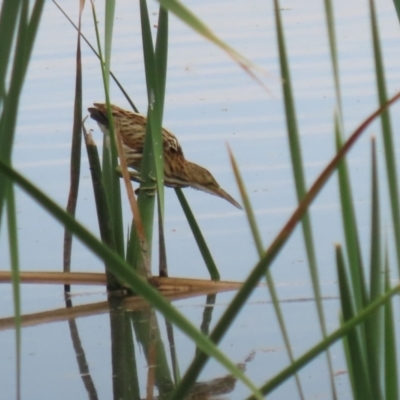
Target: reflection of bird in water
(178, 172)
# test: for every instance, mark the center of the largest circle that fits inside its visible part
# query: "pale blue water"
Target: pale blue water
(210, 101)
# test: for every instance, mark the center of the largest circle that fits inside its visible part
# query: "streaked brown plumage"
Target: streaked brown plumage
(178, 172)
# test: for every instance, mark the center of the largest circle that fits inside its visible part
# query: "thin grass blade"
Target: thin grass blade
(14, 256)
(330, 23)
(8, 26)
(356, 349)
(110, 177)
(349, 360)
(350, 229)
(124, 364)
(108, 35)
(161, 57)
(397, 7)
(75, 163)
(201, 242)
(18, 26)
(26, 34)
(374, 324)
(152, 164)
(155, 101)
(260, 249)
(390, 347)
(102, 207)
(161, 54)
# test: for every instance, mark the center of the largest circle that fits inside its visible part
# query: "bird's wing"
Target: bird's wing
(171, 143)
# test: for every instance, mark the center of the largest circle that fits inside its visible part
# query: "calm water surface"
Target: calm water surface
(210, 101)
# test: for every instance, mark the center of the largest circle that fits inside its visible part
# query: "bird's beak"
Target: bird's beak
(221, 193)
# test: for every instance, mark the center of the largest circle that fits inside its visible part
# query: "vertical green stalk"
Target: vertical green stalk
(102, 205)
(346, 197)
(387, 134)
(330, 23)
(8, 27)
(75, 166)
(374, 324)
(155, 68)
(397, 7)
(360, 381)
(298, 173)
(201, 242)
(390, 346)
(19, 22)
(350, 229)
(13, 246)
(25, 30)
(152, 165)
(108, 34)
(110, 177)
(161, 56)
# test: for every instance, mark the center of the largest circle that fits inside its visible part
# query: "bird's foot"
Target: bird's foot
(148, 190)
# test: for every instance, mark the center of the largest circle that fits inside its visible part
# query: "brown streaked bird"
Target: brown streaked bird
(178, 172)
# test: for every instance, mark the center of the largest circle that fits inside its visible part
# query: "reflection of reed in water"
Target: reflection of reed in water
(217, 386)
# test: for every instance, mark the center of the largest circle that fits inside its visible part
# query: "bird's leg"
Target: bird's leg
(135, 176)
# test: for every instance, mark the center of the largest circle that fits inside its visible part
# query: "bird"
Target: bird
(178, 172)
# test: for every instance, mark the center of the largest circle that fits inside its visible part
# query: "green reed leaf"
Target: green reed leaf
(330, 23)
(110, 158)
(102, 207)
(14, 256)
(390, 358)
(155, 101)
(374, 324)
(387, 134)
(350, 228)
(356, 346)
(201, 242)
(9, 100)
(75, 151)
(108, 35)
(298, 173)
(397, 7)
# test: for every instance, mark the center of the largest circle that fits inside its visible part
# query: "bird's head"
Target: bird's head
(202, 179)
